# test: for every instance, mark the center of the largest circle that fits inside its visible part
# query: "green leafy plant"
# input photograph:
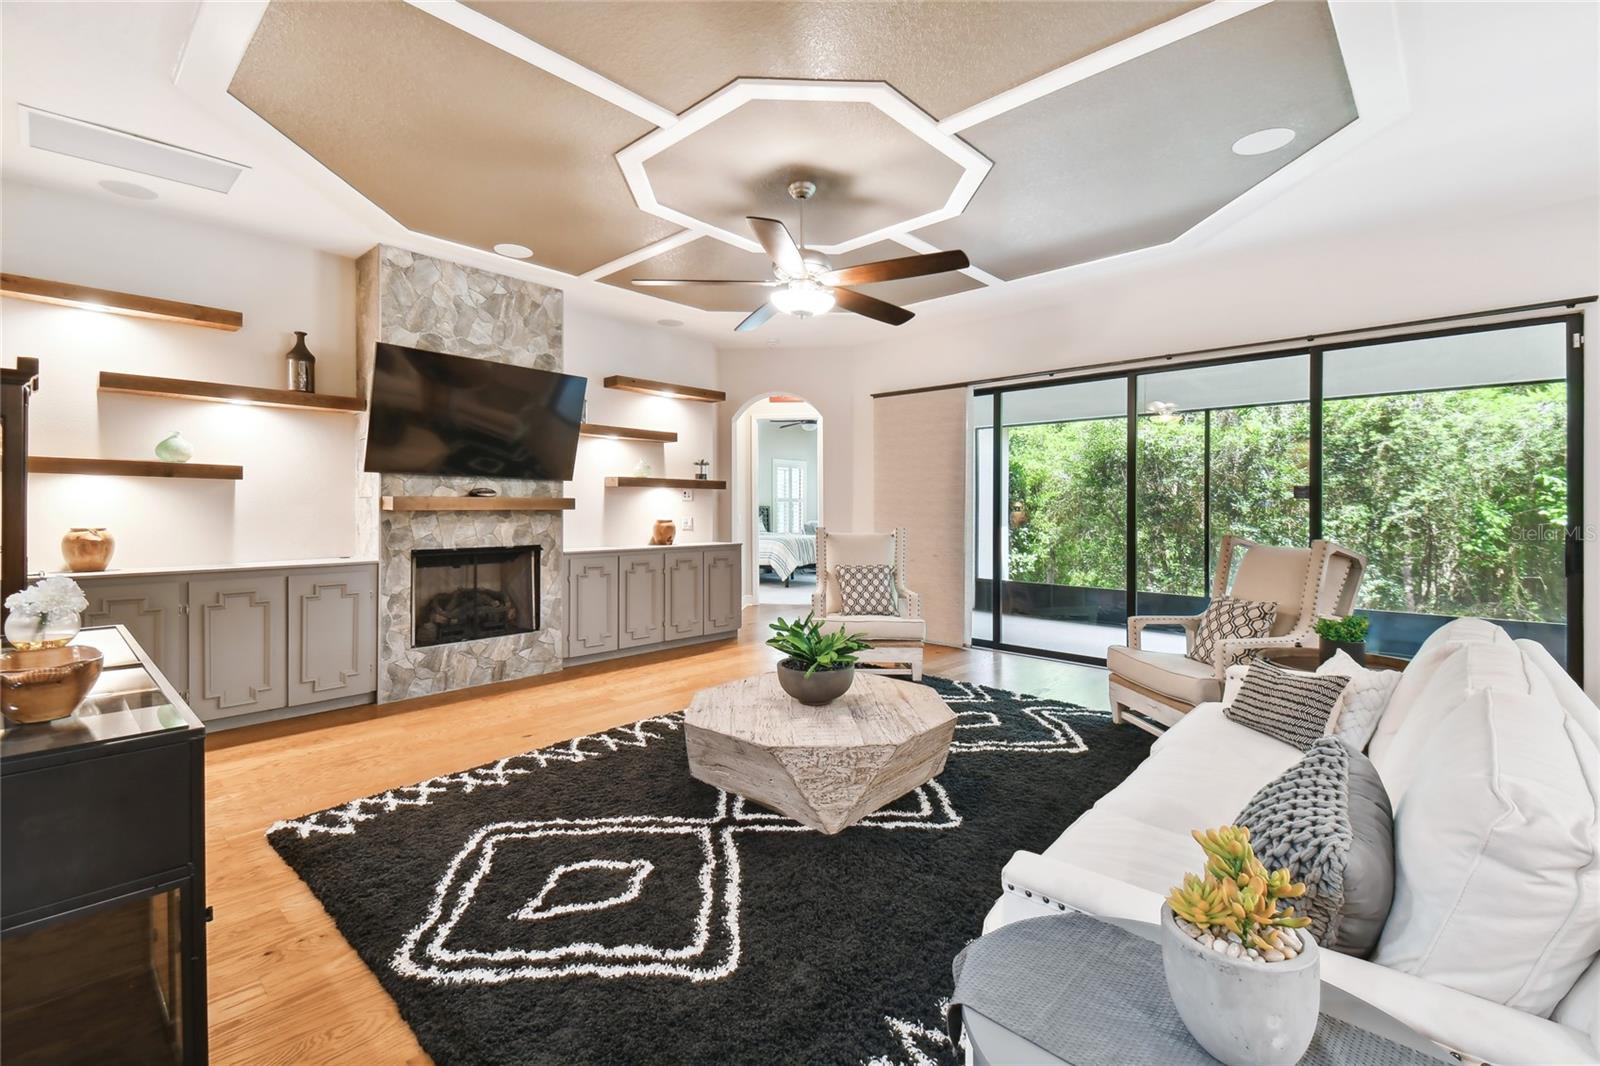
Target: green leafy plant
(806, 645)
(1237, 894)
(1352, 630)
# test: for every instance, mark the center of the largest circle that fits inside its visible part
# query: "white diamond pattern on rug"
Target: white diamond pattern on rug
(540, 906)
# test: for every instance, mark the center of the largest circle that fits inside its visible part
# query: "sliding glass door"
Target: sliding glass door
(1450, 460)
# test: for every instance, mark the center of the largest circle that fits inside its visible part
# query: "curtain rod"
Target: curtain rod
(1241, 348)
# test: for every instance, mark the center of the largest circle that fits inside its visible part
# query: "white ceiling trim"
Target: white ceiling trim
(649, 251)
(974, 164)
(917, 244)
(1115, 54)
(509, 41)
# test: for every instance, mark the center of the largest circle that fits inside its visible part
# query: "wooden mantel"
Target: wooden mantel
(478, 503)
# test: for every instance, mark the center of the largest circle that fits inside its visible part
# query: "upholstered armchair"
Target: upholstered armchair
(896, 638)
(1153, 689)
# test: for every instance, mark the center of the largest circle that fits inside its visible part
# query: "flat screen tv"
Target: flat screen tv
(457, 417)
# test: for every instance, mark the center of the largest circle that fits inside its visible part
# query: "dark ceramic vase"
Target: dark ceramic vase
(823, 686)
(302, 365)
(1357, 650)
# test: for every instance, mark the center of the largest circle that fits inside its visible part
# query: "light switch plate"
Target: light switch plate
(687, 523)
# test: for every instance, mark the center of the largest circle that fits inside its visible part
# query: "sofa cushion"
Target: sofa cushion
(876, 627)
(1290, 705)
(1440, 645)
(1230, 618)
(1167, 672)
(1277, 574)
(1365, 697)
(1128, 850)
(1498, 880)
(1327, 821)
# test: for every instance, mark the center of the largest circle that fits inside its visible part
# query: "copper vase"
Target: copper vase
(663, 532)
(87, 548)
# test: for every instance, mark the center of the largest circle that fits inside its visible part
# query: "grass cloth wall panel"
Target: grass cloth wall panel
(919, 482)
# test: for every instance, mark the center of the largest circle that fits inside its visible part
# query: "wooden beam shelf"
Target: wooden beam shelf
(592, 429)
(662, 483)
(664, 388)
(217, 392)
(59, 464)
(478, 503)
(66, 294)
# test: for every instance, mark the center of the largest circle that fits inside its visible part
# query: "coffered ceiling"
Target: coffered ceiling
(622, 139)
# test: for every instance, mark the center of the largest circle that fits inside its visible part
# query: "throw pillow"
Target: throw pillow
(867, 589)
(1227, 618)
(1327, 821)
(1288, 705)
(1365, 697)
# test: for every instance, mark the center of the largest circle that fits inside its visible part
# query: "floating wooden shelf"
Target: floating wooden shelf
(119, 303)
(662, 483)
(591, 429)
(58, 464)
(664, 388)
(216, 392)
(478, 503)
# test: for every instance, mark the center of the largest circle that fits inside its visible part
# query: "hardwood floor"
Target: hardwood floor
(284, 986)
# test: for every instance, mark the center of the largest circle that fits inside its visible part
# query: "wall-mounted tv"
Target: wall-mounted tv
(458, 417)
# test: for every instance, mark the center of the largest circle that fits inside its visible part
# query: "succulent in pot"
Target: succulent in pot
(1242, 970)
(1348, 635)
(818, 666)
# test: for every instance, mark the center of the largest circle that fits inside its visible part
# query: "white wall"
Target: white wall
(775, 441)
(298, 471)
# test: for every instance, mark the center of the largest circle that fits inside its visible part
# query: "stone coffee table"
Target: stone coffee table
(827, 766)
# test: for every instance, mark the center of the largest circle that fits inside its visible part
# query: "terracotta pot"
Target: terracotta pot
(46, 684)
(87, 548)
(823, 686)
(664, 531)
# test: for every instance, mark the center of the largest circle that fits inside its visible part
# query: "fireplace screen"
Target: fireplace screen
(473, 593)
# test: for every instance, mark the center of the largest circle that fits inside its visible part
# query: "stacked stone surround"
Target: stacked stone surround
(415, 300)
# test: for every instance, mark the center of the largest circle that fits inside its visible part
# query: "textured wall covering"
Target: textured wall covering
(411, 299)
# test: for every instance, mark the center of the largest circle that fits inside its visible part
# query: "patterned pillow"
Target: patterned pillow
(1228, 618)
(1364, 699)
(1288, 705)
(1327, 820)
(867, 589)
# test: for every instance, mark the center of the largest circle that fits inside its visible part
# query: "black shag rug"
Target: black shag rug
(593, 903)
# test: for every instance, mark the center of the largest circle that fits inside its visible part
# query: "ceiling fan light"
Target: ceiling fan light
(803, 299)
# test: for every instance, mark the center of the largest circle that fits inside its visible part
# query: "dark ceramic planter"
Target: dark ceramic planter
(824, 686)
(1357, 650)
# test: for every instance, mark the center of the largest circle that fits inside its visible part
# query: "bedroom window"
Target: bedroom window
(788, 496)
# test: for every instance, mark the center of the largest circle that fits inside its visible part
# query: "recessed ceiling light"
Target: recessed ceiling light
(1263, 141)
(514, 251)
(129, 189)
(670, 323)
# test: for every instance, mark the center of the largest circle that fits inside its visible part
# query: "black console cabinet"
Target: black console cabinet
(102, 874)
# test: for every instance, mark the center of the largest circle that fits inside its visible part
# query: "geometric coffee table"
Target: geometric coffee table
(825, 766)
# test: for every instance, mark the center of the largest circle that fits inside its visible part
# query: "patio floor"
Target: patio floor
(1075, 638)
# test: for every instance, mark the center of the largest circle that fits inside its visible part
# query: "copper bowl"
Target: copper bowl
(46, 683)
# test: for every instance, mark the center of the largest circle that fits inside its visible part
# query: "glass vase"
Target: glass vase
(29, 632)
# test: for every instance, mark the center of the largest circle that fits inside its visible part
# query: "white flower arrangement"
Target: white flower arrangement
(57, 600)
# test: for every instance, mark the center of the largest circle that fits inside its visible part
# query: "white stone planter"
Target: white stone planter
(1244, 1012)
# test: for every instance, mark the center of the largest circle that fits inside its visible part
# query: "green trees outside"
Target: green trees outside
(1458, 498)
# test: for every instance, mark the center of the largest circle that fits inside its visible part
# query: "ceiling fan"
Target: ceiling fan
(805, 282)
(807, 424)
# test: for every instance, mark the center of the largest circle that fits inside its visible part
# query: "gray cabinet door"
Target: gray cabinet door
(153, 612)
(333, 634)
(642, 608)
(236, 645)
(591, 604)
(685, 582)
(722, 589)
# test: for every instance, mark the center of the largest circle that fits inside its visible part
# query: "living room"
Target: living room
(428, 427)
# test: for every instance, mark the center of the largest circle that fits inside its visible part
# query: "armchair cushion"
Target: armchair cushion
(851, 549)
(1278, 576)
(1166, 672)
(876, 626)
(867, 589)
(1229, 617)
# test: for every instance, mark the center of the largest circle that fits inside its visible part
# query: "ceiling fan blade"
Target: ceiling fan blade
(781, 249)
(756, 318)
(662, 283)
(910, 266)
(872, 307)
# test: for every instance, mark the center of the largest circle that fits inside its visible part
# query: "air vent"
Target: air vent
(102, 144)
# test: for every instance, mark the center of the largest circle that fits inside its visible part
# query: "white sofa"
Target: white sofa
(1119, 859)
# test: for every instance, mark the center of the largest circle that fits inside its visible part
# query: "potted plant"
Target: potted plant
(1348, 635)
(1243, 972)
(818, 667)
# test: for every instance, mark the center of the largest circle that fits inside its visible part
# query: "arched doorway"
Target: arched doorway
(777, 496)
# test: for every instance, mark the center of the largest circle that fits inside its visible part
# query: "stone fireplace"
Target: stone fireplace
(483, 631)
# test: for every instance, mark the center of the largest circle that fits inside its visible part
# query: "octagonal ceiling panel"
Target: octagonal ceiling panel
(449, 136)
(871, 172)
(707, 257)
(944, 56)
(1135, 156)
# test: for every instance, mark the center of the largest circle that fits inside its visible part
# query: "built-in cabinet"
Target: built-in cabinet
(250, 641)
(622, 601)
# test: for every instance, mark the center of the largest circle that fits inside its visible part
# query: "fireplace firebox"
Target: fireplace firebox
(473, 593)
